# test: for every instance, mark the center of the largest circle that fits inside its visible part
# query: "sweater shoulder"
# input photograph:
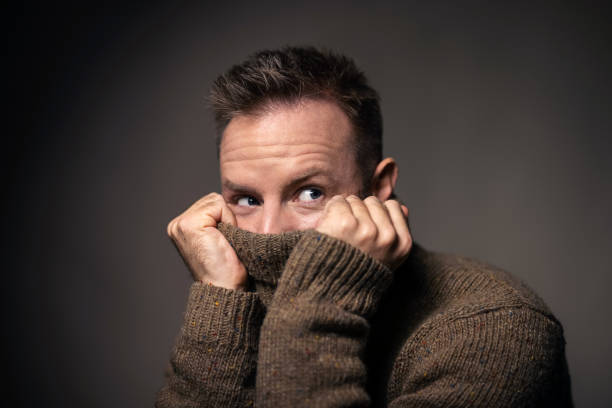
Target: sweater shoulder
(463, 285)
(469, 322)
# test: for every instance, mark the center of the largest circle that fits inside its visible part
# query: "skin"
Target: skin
(291, 167)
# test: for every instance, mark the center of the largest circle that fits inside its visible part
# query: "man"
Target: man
(308, 288)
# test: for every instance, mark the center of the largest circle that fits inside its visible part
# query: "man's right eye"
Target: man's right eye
(247, 201)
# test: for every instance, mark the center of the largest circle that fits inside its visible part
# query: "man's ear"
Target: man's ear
(384, 179)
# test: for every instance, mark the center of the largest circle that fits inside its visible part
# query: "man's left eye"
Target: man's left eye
(310, 194)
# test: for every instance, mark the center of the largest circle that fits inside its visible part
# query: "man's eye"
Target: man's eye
(310, 194)
(247, 201)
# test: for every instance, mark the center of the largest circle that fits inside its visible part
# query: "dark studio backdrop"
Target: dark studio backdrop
(497, 112)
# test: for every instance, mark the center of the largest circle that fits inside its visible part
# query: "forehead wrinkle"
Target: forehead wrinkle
(305, 165)
(277, 164)
(300, 176)
(254, 143)
(274, 151)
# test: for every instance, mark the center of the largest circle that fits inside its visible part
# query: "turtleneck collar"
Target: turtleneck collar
(263, 255)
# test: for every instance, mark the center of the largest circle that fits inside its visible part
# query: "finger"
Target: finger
(338, 206)
(227, 216)
(214, 206)
(399, 222)
(404, 210)
(171, 228)
(381, 218)
(360, 210)
(367, 231)
(202, 201)
(336, 209)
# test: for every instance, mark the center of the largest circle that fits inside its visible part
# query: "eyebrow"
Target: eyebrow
(307, 174)
(233, 186)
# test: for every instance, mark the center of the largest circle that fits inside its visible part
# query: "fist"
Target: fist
(378, 229)
(206, 252)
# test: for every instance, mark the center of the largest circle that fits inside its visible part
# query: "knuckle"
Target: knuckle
(216, 199)
(367, 232)
(333, 202)
(347, 223)
(392, 203)
(212, 199)
(182, 225)
(372, 199)
(406, 246)
(213, 196)
(387, 238)
(172, 228)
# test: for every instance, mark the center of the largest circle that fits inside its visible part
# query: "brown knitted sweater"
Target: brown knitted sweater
(325, 325)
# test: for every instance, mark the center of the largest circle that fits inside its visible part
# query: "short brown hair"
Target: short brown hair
(289, 74)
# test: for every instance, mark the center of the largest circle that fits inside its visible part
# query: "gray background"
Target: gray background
(498, 115)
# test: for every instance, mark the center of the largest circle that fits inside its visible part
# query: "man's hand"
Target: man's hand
(378, 229)
(207, 253)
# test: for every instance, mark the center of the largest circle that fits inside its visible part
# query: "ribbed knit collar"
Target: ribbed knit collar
(263, 255)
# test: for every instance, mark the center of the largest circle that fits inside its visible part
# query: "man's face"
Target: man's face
(279, 168)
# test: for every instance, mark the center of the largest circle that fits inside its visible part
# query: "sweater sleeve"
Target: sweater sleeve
(314, 334)
(213, 361)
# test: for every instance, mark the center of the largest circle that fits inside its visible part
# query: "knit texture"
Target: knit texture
(326, 325)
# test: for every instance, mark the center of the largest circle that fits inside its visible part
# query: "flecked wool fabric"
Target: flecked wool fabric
(325, 325)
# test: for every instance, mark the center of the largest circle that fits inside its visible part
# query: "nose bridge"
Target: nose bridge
(271, 221)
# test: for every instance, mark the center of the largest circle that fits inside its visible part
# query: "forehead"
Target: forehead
(286, 130)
